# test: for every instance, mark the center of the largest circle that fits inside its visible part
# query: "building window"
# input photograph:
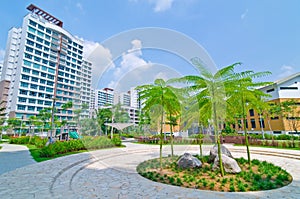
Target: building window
(32, 93)
(34, 79)
(48, 103)
(39, 46)
(41, 27)
(21, 107)
(23, 92)
(40, 34)
(253, 125)
(288, 88)
(251, 112)
(26, 70)
(41, 95)
(32, 23)
(42, 81)
(27, 63)
(50, 90)
(48, 31)
(25, 77)
(29, 42)
(22, 99)
(31, 29)
(31, 108)
(33, 86)
(43, 74)
(32, 101)
(275, 118)
(261, 123)
(50, 76)
(39, 40)
(35, 72)
(37, 59)
(41, 88)
(24, 85)
(40, 102)
(29, 49)
(31, 36)
(270, 90)
(28, 56)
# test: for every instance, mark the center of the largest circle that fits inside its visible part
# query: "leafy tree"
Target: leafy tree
(209, 89)
(104, 115)
(243, 95)
(45, 115)
(144, 121)
(89, 126)
(161, 96)
(291, 113)
(14, 124)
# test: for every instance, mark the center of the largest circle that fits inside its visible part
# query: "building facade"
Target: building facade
(273, 122)
(44, 65)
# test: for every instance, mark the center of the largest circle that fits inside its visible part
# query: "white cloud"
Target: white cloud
(100, 57)
(286, 71)
(131, 59)
(162, 75)
(162, 5)
(244, 14)
(79, 6)
(159, 5)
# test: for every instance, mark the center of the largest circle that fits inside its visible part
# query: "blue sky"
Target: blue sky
(262, 34)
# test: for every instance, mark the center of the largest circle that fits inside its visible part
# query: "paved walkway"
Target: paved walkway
(14, 156)
(111, 173)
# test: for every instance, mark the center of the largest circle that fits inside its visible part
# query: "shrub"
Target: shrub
(117, 141)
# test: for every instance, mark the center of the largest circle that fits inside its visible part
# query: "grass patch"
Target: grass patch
(261, 175)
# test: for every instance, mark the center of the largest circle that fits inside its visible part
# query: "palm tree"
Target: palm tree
(210, 91)
(162, 96)
(243, 94)
(103, 115)
(45, 116)
(172, 122)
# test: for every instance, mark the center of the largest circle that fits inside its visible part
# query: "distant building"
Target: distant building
(85, 90)
(104, 97)
(282, 90)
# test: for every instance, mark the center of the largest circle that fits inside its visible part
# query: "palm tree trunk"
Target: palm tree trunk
(245, 130)
(161, 138)
(171, 138)
(217, 134)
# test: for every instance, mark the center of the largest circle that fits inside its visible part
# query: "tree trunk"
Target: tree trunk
(171, 138)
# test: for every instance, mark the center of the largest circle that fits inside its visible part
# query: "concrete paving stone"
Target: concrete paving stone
(114, 176)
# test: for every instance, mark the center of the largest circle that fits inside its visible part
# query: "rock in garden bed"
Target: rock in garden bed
(214, 152)
(230, 164)
(188, 161)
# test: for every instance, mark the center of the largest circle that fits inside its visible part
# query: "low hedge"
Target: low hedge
(37, 141)
(86, 143)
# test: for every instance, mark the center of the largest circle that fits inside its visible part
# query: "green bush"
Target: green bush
(117, 141)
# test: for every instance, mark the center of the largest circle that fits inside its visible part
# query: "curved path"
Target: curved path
(14, 156)
(111, 173)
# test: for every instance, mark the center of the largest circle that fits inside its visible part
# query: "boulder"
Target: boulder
(230, 165)
(188, 161)
(214, 152)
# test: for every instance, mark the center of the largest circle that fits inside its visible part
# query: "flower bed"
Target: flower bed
(258, 176)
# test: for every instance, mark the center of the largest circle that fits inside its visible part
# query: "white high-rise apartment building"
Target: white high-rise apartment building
(85, 91)
(43, 64)
(104, 97)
